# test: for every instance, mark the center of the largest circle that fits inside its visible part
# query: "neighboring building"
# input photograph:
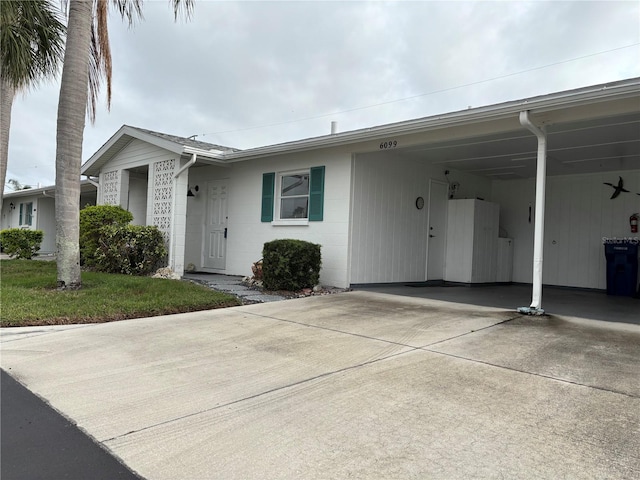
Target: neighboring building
(35, 209)
(385, 202)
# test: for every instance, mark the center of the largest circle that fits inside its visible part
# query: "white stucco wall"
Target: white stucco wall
(247, 234)
(579, 213)
(389, 234)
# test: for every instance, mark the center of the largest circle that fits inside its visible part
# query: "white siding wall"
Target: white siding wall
(579, 214)
(389, 234)
(247, 235)
(138, 184)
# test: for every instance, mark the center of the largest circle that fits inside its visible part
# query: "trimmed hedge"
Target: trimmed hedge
(92, 219)
(130, 249)
(21, 243)
(290, 264)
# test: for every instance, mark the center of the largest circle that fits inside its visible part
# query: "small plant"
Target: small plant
(20, 243)
(256, 268)
(92, 219)
(290, 264)
(130, 249)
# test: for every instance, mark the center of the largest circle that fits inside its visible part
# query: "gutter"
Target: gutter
(212, 156)
(538, 236)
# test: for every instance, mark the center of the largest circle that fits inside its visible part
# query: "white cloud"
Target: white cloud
(242, 64)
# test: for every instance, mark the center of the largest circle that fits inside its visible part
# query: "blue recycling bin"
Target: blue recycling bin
(622, 268)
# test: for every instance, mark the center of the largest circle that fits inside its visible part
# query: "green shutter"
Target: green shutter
(316, 194)
(268, 188)
(20, 219)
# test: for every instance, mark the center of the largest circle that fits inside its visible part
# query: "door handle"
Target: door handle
(431, 236)
(225, 232)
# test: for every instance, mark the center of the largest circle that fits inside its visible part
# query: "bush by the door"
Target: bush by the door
(290, 264)
(21, 243)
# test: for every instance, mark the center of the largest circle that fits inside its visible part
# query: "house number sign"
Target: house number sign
(388, 144)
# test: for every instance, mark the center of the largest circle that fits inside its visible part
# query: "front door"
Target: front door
(436, 243)
(216, 225)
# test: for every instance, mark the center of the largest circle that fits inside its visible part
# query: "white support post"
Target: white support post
(176, 266)
(538, 242)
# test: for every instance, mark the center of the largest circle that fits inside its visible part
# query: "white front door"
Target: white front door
(436, 242)
(216, 225)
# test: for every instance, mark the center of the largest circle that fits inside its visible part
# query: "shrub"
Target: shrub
(92, 219)
(130, 249)
(290, 264)
(21, 243)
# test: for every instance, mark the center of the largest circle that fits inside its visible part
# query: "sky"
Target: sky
(247, 74)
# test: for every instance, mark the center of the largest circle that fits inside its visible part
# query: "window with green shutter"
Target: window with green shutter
(293, 197)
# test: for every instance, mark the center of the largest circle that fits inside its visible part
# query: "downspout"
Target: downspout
(538, 236)
(186, 166)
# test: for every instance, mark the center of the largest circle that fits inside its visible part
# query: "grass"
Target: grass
(28, 296)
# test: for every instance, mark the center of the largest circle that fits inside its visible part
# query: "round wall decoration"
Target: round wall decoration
(419, 203)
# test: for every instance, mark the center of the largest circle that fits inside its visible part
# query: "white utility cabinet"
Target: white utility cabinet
(472, 241)
(505, 260)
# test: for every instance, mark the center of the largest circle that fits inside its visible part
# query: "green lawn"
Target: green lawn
(28, 296)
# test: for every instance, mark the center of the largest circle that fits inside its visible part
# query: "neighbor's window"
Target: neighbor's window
(294, 195)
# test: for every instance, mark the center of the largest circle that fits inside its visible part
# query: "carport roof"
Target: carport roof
(587, 110)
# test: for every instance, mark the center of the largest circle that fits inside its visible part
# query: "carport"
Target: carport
(592, 140)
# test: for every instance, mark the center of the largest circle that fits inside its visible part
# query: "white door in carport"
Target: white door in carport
(216, 225)
(436, 243)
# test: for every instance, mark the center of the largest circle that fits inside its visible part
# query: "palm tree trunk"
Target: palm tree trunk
(72, 109)
(7, 94)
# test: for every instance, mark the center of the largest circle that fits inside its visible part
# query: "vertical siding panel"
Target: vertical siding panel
(593, 237)
(552, 251)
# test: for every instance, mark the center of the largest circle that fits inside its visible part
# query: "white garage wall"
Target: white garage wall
(579, 214)
(389, 234)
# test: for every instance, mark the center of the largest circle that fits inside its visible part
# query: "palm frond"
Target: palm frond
(31, 41)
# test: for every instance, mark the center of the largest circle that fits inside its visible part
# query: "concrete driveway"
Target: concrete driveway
(353, 385)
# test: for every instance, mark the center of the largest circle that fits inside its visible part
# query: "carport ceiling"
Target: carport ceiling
(601, 145)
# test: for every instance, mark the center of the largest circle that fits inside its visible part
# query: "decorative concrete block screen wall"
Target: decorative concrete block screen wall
(110, 182)
(163, 173)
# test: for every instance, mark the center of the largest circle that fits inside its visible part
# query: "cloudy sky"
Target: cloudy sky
(245, 74)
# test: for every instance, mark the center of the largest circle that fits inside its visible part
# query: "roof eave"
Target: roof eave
(542, 104)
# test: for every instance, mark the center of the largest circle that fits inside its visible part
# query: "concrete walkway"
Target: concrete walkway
(233, 285)
(353, 385)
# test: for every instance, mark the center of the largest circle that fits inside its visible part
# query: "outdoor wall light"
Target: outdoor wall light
(12, 206)
(193, 191)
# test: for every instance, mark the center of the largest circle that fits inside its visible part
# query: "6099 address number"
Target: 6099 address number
(388, 144)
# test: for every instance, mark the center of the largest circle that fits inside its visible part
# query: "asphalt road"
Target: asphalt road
(37, 443)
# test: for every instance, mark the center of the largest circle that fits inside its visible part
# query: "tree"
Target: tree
(31, 48)
(16, 185)
(87, 58)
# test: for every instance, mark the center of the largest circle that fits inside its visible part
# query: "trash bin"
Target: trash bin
(622, 268)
